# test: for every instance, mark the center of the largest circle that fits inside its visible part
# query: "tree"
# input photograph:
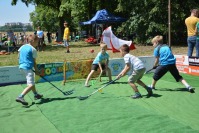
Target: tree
(55, 5)
(145, 18)
(45, 17)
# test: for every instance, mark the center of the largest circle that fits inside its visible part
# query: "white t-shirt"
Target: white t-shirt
(134, 62)
(40, 34)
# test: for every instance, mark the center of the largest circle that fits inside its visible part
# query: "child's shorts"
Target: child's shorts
(66, 43)
(96, 66)
(29, 76)
(136, 75)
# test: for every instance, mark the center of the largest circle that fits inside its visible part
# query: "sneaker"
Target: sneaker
(68, 51)
(136, 95)
(21, 100)
(150, 92)
(38, 96)
(191, 89)
(87, 85)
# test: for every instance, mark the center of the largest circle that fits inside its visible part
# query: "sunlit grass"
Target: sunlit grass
(79, 51)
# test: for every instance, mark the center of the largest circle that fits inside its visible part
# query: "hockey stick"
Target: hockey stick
(150, 69)
(85, 97)
(65, 93)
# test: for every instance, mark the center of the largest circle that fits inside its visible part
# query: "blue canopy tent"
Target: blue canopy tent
(103, 16)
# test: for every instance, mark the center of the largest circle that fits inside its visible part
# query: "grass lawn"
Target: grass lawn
(79, 51)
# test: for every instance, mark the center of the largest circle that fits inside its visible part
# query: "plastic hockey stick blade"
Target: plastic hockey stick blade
(68, 92)
(82, 98)
(65, 93)
(85, 97)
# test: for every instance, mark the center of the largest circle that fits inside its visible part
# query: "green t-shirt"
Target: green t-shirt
(197, 28)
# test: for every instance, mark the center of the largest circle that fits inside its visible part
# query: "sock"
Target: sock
(21, 95)
(152, 87)
(187, 85)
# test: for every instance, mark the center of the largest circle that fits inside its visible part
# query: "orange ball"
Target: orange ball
(92, 51)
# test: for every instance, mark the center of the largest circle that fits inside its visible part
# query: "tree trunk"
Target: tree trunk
(61, 29)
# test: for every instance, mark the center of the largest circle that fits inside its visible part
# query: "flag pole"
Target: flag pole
(169, 22)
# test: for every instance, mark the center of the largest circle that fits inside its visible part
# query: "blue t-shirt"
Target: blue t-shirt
(27, 53)
(165, 55)
(102, 58)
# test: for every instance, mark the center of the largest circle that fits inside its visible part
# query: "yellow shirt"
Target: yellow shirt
(66, 33)
(191, 25)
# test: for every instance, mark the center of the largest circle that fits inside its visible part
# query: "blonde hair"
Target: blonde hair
(158, 39)
(103, 45)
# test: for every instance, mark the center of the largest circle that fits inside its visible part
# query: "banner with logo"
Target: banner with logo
(188, 65)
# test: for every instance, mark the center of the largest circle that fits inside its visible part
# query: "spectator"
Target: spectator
(40, 35)
(49, 37)
(197, 39)
(21, 38)
(66, 37)
(191, 25)
(56, 36)
(99, 34)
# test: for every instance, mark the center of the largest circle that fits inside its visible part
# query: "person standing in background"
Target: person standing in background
(66, 37)
(99, 34)
(49, 37)
(197, 39)
(191, 25)
(40, 35)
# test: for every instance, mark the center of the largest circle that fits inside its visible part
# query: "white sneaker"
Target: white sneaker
(191, 89)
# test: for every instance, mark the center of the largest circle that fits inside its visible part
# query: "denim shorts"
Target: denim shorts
(66, 43)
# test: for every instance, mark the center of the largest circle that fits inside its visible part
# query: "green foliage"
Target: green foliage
(16, 28)
(147, 18)
(45, 17)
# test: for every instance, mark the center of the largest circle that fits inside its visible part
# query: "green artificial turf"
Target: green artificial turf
(172, 109)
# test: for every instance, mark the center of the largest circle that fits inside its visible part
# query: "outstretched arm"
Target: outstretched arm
(124, 71)
(156, 62)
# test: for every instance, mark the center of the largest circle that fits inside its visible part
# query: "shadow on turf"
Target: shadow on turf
(115, 83)
(47, 100)
(175, 89)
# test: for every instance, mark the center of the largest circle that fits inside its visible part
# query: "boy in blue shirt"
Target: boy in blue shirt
(27, 61)
(100, 61)
(165, 61)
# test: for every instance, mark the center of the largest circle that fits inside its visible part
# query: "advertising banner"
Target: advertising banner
(194, 61)
(188, 65)
(182, 60)
(11, 75)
